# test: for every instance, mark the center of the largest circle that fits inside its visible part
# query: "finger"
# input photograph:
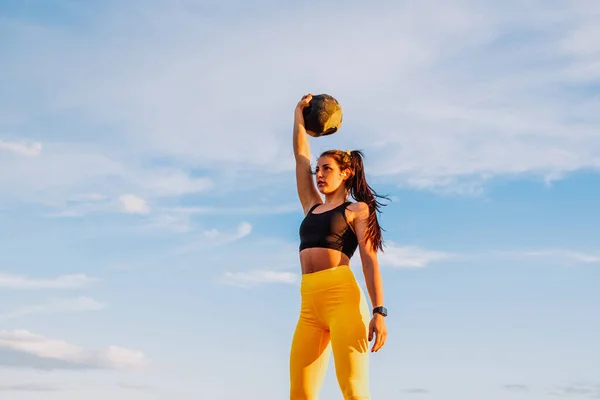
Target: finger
(375, 343)
(380, 340)
(370, 333)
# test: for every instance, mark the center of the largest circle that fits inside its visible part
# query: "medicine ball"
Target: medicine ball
(322, 116)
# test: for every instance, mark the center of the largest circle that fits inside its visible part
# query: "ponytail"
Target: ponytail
(361, 191)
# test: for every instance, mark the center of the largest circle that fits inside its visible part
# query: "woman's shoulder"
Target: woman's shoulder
(358, 208)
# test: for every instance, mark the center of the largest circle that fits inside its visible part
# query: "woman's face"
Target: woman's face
(328, 175)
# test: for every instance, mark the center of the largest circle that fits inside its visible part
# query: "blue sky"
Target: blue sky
(149, 216)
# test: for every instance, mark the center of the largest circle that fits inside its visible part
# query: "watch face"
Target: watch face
(381, 310)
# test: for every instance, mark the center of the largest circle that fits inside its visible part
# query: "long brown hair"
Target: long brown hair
(360, 190)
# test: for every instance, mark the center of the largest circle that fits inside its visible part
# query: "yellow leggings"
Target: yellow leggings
(334, 316)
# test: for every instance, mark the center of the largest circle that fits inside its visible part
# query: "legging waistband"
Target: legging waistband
(327, 278)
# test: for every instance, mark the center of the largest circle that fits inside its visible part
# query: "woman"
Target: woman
(334, 315)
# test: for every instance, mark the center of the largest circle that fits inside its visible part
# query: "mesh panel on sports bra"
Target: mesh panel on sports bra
(328, 229)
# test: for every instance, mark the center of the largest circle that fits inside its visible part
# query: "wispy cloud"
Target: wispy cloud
(74, 281)
(180, 219)
(552, 255)
(394, 257)
(410, 256)
(212, 238)
(257, 277)
(161, 216)
(566, 255)
(516, 387)
(56, 306)
(112, 357)
(133, 386)
(80, 206)
(242, 230)
(416, 391)
(241, 209)
(417, 257)
(586, 390)
(62, 172)
(133, 204)
(66, 175)
(253, 275)
(31, 387)
(167, 182)
(470, 103)
(21, 148)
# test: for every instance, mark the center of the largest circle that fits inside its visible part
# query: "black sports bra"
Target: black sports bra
(328, 229)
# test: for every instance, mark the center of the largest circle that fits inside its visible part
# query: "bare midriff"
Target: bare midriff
(319, 259)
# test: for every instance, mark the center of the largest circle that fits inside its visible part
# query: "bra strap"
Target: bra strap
(313, 207)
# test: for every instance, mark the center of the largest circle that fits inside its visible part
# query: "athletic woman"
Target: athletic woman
(334, 315)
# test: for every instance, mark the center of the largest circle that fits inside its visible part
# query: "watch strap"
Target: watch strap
(380, 310)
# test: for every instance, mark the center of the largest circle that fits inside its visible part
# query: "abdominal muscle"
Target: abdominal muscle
(319, 259)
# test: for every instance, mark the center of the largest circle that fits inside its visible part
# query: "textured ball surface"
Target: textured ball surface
(322, 116)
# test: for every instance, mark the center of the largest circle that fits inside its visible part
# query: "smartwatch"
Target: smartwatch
(380, 310)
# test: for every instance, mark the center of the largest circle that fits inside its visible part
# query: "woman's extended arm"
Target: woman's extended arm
(307, 192)
(300, 137)
(373, 280)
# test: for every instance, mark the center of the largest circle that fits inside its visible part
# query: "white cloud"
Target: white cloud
(285, 255)
(168, 221)
(31, 387)
(112, 357)
(170, 182)
(81, 205)
(22, 148)
(589, 390)
(243, 229)
(180, 219)
(133, 386)
(57, 306)
(559, 254)
(212, 238)
(410, 256)
(133, 204)
(416, 257)
(62, 172)
(468, 104)
(95, 197)
(78, 179)
(73, 281)
(257, 277)
(516, 387)
(241, 209)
